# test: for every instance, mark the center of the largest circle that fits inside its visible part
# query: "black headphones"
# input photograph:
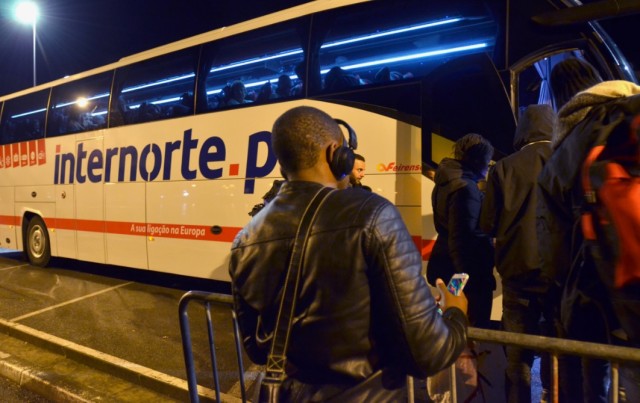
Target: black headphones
(343, 157)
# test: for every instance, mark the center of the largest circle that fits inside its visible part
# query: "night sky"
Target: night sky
(77, 35)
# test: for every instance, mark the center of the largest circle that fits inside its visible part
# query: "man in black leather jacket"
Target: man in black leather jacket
(363, 304)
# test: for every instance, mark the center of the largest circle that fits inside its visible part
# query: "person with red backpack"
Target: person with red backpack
(584, 293)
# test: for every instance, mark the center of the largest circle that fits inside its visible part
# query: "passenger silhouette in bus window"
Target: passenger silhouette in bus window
(284, 86)
(75, 120)
(148, 112)
(266, 93)
(237, 94)
(337, 79)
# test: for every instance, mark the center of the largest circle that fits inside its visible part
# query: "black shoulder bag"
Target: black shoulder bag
(275, 372)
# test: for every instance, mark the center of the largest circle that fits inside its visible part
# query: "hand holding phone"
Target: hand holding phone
(457, 283)
(448, 297)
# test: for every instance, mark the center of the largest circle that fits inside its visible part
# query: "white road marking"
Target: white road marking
(51, 308)
(14, 267)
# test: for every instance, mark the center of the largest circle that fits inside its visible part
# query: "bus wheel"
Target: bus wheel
(38, 246)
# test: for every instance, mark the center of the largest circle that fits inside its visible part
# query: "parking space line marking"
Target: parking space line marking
(93, 294)
(14, 267)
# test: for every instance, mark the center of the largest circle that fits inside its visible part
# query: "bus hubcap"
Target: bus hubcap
(37, 242)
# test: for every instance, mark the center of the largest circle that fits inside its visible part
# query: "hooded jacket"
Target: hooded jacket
(509, 206)
(559, 208)
(363, 303)
(461, 246)
(561, 194)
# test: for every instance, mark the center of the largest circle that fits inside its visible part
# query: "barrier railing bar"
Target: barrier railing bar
(555, 382)
(212, 349)
(236, 333)
(555, 345)
(187, 349)
(615, 382)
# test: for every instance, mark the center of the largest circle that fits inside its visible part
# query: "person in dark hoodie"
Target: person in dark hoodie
(509, 215)
(461, 246)
(580, 291)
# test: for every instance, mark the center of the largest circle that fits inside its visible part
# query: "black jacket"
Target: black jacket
(364, 304)
(509, 205)
(461, 247)
(560, 205)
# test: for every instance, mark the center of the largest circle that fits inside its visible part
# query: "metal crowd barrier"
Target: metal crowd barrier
(554, 346)
(557, 347)
(207, 298)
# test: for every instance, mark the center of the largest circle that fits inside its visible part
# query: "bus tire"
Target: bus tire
(38, 247)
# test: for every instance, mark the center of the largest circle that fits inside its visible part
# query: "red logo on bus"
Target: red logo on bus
(7, 156)
(33, 152)
(15, 155)
(41, 152)
(24, 154)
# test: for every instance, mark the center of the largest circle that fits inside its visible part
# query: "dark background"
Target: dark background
(77, 35)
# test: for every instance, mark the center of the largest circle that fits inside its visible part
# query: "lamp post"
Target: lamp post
(27, 12)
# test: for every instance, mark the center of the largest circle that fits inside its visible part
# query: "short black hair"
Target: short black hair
(570, 77)
(359, 157)
(474, 151)
(299, 133)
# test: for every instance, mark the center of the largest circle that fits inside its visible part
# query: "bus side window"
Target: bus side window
(358, 48)
(79, 105)
(255, 67)
(23, 117)
(156, 89)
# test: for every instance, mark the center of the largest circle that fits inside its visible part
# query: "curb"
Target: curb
(139, 375)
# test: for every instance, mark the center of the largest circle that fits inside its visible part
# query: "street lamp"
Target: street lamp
(27, 12)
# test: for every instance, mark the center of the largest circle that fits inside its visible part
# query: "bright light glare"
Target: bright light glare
(82, 102)
(27, 12)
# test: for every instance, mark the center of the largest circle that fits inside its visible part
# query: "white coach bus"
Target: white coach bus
(153, 162)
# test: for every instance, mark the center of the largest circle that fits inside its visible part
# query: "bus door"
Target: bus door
(63, 238)
(530, 75)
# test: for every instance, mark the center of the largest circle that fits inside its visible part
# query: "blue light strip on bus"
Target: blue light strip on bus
(166, 80)
(338, 43)
(412, 56)
(392, 32)
(28, 113)
(88, 99)
(257, 60)
(298, 51)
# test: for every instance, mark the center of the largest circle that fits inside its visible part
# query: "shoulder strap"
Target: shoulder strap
(277, 356)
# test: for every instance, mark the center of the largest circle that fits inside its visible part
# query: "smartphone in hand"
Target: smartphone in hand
(457, 283)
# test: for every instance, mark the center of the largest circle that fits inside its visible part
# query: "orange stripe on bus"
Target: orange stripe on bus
(159, 230)
(174, 231)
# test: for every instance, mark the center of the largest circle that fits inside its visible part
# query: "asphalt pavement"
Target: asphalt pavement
(81, 332)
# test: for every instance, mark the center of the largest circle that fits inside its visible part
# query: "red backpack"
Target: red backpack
(611, 184)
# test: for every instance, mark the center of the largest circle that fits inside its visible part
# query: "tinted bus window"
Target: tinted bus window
(412, 39)
(23, 117)
(256, 67)
(155, 89)
(79, 105)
